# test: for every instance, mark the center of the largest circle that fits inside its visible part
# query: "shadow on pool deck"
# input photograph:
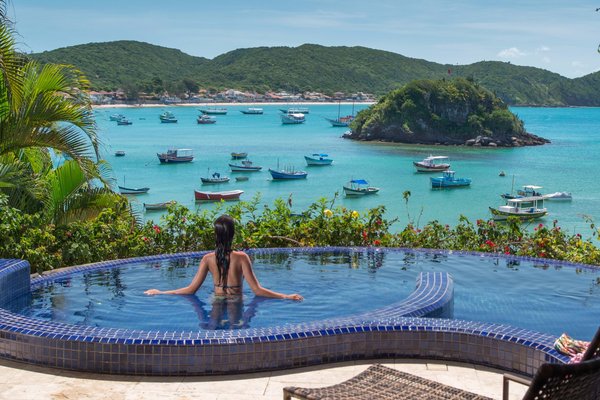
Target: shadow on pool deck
(23, 381)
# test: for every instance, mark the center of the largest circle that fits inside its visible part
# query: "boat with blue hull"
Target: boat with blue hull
(318, 159)
(449, 180)
(287, 173)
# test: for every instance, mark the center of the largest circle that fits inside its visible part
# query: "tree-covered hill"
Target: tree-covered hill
(146, 67)
(444, 111)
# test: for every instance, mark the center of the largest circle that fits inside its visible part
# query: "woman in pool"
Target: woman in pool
(227, 267)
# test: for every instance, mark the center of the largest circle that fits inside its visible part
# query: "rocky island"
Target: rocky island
(446, 112)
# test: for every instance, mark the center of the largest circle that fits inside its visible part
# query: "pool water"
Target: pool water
(526, 294)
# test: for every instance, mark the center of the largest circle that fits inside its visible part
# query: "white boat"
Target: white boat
(359, 187)
(246, 166)
(522, 208)
(318, 159)
(431, 164)
(294, 110)
(292, 118)
(558, 196)
(527, 191)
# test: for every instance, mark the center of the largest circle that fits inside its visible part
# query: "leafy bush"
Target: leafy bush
(111, 235)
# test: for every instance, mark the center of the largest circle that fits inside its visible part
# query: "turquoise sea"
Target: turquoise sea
(569, 163)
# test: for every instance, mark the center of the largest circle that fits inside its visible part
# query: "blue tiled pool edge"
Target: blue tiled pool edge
(383, 333)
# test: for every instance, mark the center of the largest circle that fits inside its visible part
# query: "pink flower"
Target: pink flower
(156, 229)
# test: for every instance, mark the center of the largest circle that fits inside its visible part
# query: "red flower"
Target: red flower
(540, 226)
(490, 243)
(364, 234)
(156, 228)
(378, 221)
(376, 242)
(542, 254)
(145, 239)
(479, 222)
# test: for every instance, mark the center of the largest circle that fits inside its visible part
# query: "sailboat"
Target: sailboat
(342, 121)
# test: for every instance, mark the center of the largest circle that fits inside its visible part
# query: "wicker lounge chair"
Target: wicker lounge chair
(551, 382)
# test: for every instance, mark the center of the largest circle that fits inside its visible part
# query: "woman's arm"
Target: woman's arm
(257, 288)
(192, 287)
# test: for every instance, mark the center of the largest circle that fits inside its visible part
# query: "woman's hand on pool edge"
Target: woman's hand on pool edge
(152, 292)
(295, 296)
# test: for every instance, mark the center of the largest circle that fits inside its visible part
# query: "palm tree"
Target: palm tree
(46, 118)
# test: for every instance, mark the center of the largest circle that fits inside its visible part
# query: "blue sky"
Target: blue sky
(560, 36)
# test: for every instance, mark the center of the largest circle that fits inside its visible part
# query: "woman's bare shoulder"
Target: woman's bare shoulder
(240, 255)
(208, 257)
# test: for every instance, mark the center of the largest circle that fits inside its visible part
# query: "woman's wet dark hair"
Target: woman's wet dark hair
(224, 231)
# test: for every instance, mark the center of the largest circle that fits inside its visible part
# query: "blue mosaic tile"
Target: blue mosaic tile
(407, 320)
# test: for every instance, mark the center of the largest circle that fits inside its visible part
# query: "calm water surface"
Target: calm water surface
(567, 164)
(543, 298)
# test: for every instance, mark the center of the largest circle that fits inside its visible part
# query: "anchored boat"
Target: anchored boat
(523, 208)
(448, 180)
(318, 159)
(176, 156)
(359, 187)
(217, 196)
(431, 164)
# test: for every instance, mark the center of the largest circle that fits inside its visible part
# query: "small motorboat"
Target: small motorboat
(247, 166)
(206, 120)
(294, 110)
(287, 173)
(252, 111)
(120, 153)
(214, 111)
(448, 180)
(359, 187)
(158, 206)
(217, 196)
(431, 164)
(523, 208)
(558, 196)
(176, 156)
(214, 178)
(292, 118)
(318, 159)
(238, 156)
(501, 173)
(167, 118)
(116, 117)
(527, 191)
(241, 178)
(128, 190)
(124, 121)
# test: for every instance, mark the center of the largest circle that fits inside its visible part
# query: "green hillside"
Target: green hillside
(447, 111)
(149, 68)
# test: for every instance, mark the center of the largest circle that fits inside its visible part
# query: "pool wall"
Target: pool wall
(395, 331)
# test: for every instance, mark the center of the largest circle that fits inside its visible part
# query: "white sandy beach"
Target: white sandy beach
(301, 104)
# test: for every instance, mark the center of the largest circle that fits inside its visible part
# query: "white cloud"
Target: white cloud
(542, 49)
(512, 52)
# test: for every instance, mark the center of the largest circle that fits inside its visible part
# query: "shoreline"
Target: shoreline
(301, 104)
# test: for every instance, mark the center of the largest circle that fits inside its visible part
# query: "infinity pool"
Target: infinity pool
(548, 298)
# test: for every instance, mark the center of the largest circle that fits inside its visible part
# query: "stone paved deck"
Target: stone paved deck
(24, 382)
